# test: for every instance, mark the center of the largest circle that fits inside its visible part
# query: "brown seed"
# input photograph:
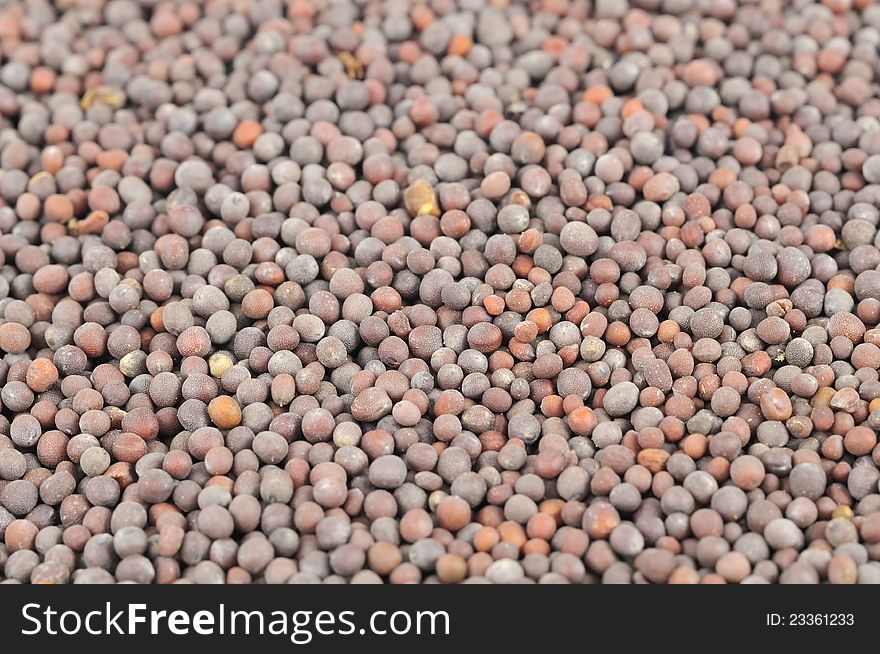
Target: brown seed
(654, 459)
(371, 404)
(14, 338)
(776, 405)
(41, 375)
(512, 305)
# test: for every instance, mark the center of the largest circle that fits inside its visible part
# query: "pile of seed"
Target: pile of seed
(499, 291)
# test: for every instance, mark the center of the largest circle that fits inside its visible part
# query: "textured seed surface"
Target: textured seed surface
(439, 292)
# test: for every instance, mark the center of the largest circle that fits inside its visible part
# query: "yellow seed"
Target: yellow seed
(842, 512)
(36, 178)
(353, 68)
(113, 98)
(87, 99)
(420, 199)
(219, 363)
(133, 363)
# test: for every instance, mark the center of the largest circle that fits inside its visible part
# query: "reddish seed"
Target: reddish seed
(436, 311)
